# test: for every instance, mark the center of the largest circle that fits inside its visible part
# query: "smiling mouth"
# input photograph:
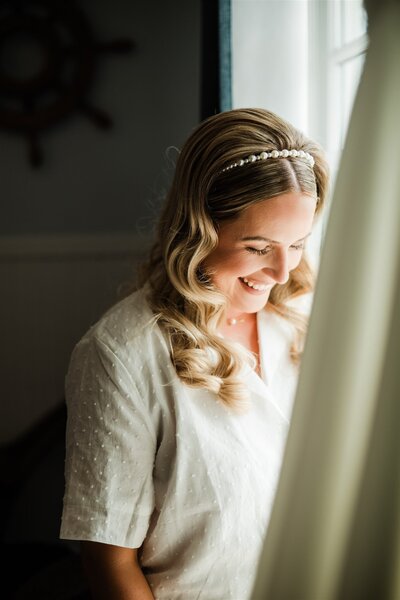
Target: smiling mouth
(255, 286)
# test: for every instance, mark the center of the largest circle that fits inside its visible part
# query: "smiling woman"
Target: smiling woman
(246, 274)
(230, 165)
(179, 398)
(266, 262)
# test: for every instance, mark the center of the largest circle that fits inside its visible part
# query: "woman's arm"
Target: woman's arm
(114, 572)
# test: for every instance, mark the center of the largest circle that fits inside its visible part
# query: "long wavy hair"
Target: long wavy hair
(183, 298)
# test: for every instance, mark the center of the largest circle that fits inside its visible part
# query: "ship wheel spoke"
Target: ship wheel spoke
(57, 85)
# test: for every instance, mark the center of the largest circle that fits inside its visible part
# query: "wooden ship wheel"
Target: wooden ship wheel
(49, 58)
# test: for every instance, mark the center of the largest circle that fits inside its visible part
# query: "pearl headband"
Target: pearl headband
(273, 154)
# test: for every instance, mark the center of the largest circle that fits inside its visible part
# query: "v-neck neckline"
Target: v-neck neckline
(272, 343)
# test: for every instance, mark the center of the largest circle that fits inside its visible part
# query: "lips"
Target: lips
(259, 287)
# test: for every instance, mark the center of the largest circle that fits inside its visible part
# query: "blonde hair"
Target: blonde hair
(185, 303)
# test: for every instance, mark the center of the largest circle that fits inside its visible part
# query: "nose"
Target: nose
(278, 265)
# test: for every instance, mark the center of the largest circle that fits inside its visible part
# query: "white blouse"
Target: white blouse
(153, 463)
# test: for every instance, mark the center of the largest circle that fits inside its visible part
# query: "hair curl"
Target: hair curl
(185, 303)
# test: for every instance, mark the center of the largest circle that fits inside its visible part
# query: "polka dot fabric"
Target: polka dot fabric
(152, 463)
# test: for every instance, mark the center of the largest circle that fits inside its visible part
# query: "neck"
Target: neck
(239, 319)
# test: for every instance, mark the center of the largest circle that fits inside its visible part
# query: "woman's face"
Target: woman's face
(259, 249)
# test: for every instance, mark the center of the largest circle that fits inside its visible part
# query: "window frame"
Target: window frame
(327, 55)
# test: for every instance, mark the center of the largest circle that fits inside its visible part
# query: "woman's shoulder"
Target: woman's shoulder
(129, 321)
(124, 354)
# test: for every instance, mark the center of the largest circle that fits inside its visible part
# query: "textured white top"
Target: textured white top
(154, 463)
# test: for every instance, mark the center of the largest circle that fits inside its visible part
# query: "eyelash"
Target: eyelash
(266, 250)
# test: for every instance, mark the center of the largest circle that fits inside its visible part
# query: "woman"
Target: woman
(179, 398)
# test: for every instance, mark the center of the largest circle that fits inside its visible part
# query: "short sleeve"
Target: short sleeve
(110, 450)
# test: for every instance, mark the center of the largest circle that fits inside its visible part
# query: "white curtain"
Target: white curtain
(335, 526)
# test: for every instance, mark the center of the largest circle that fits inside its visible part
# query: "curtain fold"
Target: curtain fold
(335, 527)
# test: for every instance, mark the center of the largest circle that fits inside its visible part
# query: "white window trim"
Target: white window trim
(324, 84)
(325, 56)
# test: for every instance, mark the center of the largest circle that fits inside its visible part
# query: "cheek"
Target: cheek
(223, 263)
(294, 260)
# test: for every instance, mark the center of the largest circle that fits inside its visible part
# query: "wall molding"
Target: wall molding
(57, 287)
(73, 246)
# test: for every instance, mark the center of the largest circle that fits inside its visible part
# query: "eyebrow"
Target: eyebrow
(260, 238)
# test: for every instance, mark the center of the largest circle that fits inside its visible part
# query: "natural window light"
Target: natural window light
(301, 59)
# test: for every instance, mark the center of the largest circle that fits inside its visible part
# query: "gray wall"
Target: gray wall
(93, 180)
(72, 231)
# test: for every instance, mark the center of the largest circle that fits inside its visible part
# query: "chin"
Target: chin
(254, 305)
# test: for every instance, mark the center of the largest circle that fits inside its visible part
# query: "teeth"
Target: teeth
(256, 286)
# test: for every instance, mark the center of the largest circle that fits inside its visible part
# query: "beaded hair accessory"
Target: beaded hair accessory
(273, 154)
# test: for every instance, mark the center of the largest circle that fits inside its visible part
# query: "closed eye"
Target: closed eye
(264, 251)
(259, 252)
(298, 246)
